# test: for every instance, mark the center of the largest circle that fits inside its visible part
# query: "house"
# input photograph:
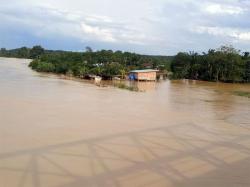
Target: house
(143, 75)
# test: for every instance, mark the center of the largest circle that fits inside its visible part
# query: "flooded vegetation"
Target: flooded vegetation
(56, 132)
(123, 85)
(242, 93)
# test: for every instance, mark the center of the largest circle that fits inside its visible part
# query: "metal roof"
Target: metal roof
(144, 71)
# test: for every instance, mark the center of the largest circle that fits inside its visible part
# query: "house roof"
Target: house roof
(144, 71)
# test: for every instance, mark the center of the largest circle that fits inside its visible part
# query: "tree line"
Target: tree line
(104, 63)
(225, 64)
(23, 52)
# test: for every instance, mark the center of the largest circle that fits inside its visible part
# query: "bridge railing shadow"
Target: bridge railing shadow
(163, 156)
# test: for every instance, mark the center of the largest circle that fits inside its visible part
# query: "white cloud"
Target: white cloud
(100, 33)
(245, 36)
(223, 9)
(96, 18)
(145, 26)
(233, 33)
(47, 20)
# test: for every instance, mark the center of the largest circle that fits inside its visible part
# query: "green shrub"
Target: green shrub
(43, 66)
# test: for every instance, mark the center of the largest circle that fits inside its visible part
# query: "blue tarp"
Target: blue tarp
(132, 76)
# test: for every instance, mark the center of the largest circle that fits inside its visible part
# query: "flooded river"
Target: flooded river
(63, 133)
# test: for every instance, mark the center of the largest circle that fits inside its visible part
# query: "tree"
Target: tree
(88, 49)
(3, 52)
(36, 51)
(246, 55)
(247, 71)
(111, 69)
(228, 49)
(181, 65)
(194, 65)
(23, 52)
(123, 73)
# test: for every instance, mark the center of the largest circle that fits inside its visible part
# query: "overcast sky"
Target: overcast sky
(145, 26)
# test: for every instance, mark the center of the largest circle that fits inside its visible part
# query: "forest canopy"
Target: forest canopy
(225, 64)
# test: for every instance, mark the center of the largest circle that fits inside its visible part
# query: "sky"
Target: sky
(158, 27)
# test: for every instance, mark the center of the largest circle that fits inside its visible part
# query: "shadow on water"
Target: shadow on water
(182, 155)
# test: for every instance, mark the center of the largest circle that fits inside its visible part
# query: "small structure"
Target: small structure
(97, 79)
(143, 75)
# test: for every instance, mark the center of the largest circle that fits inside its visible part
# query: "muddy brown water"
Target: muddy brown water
(63, 133)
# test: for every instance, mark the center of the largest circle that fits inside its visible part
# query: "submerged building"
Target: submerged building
(143, 75)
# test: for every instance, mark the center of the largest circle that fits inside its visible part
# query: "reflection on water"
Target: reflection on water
(63, 133)
(144, 86)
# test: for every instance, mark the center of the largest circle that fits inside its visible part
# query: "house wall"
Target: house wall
(143, 76)
(148, 76)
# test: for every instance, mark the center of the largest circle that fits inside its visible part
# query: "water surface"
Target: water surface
(63, 133)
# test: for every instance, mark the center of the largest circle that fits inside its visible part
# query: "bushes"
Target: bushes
(42, 66)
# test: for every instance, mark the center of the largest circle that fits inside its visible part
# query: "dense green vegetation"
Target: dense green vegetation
(23, 52)
(105, 63)
(225, 64)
